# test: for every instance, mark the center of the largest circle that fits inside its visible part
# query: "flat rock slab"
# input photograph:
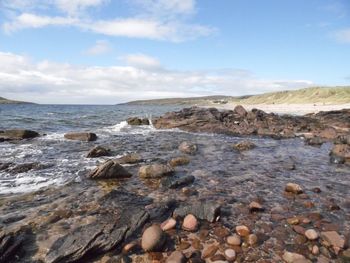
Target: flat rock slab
(202, 210)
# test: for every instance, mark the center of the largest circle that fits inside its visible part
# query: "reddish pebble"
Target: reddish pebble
(190, 223)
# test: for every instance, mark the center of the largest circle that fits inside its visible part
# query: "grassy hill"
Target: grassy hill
(6, 101)
(327, 95)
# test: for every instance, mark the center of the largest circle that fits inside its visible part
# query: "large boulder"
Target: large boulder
(81, 136)
(18, 134)
(98, 151)
(155, 171)
(109, 170)
(203, 210)
(138, 121)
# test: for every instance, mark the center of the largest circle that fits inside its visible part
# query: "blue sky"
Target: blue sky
(109, 51)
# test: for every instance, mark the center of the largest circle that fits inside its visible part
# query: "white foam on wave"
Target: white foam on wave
(56, 136)
(123, 127)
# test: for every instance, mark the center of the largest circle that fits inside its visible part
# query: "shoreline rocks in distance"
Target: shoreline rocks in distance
(18, 134)
(81, 136)
(135, 121)
(109, 170)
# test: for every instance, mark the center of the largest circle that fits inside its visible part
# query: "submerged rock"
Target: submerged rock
(130, 158)
(293, 188)
(244, 146)
(153, 239)
(181, 160)
(138, 121)
(190, 223)
(98, 151)
(81, 136)
(203, 210)
(187, 147)
(108, 170)
(340, 153)
(177, 181)
(18, 134)
(176, 257)
(155, 171)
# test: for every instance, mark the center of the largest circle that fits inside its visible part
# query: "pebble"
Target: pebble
(128, 247)
(168, 224)
(252, 239)
(230, 254)
(152, 238)
(311, 234)
(255, 207)
(293, 221)
(176, 257)
(234, 240)
(190, 223)
(315, 250)
(334, 239)
(243, 231)
(290, 257)
(209, 251)
(293, 188)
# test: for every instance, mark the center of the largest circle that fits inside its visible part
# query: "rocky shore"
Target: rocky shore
(194, 197)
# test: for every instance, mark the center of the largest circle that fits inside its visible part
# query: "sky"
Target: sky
(112, 51)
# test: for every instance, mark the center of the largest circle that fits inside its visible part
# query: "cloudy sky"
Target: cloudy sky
(110, 51)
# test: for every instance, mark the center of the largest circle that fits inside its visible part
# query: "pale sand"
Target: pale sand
(294, 109)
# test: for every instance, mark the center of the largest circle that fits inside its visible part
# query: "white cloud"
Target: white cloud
(342, 36)
(48, 82)
(100, 47)
(74, 7)
(142, 61)
(167, 7)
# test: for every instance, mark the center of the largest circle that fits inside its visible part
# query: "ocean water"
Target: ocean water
(65, 160)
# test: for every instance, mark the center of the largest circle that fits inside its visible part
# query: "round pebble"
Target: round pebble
(243, 231)
(153, 238)
(252, 239)
(293, 188)
(234, 240)
(190, 223)
(230, 254)
(168, 224)
(311, 234)
(176, 257)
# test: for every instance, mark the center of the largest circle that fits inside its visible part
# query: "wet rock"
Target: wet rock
(345, 256)
(234, 240)
(25, 167)
(178, 161)
(138, 121)
(168, 224)
(188, 148)
(230, 254)
(315, 250)
(209, 251)
(177, 181)
(293, 188)
(244, 146)
(153, 239)
(311, 234)
(98, 151)
(81, 136)
(242, 230)
(176, 257)
(18, 134)
(240, 110)
(202, 210)
(340, 153)
(131, 158)
(190, 223)
(108, 170)
(255, 207)
(155, 171)
(290, 257)
(10, 244)
(333, 239)
(252, 239)
(314, 141)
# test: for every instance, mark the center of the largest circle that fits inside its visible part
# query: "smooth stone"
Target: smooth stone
(293, 188)
(243, 231)
(311, 234)
(188, 148)
(178, 161)
(333, 238)
(81, 136)
(290, 257)
(168, 224)
(190, 223)
(252, 239)
(209, 251)
(176, 257)
(153, 238)
(255, 207)
(234, 240)
(230, 254)
(155, 171)
(315, 250)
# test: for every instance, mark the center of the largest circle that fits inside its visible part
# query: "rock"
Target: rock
(18, 134)
(190, 223)
(131, 158)
(10, 246)
(340, 153)
(230, 254)
(98, 151)
(177, 181)
(234, 240)
(311, 234)
(244, 146)
(293, 188)
(255, 207)
(243, 231)
(176, 257)
(345, 256)
(188, 148)
(290, 257)
(138, 121)
(315, 250)
(153, 239)
(209, 251)
(333, 238)
(108, 170)
(81, 136)
(155, 171)
(202, 210)
(128, 247)
(240, 110)
(168, 224)
(178, 161)
(252, 239)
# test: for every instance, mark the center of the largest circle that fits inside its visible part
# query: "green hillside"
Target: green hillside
(6, 101)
